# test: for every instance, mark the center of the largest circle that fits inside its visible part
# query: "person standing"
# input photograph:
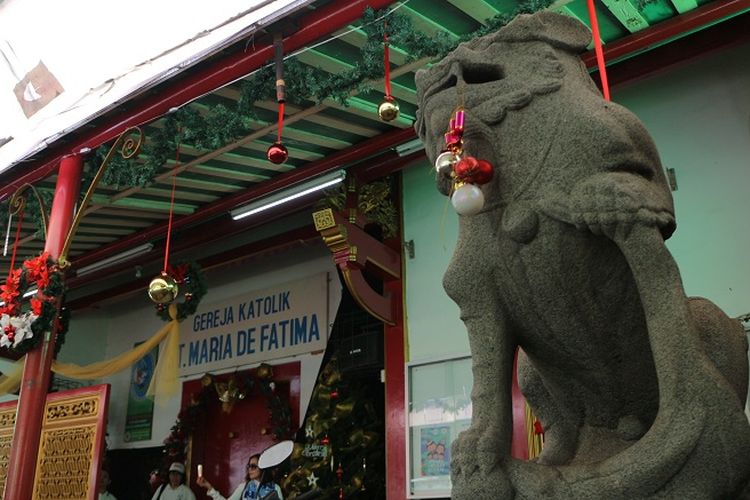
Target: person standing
(103, 485)
(174, 489)
(255, 487)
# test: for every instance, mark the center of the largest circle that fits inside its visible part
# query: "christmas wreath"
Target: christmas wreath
(21, 331)
(241, 386)
(189, 277)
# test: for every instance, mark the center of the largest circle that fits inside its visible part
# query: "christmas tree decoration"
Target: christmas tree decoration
(232, 389)
(187, 276)
(264, 371)
(388, 109)
(21, 331)
(163, 289)
(467, 199)
(312, 480)
(277, 152)
(337, 431)
(467, 172)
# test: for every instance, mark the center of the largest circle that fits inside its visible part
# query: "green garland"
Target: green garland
(304, 84)
(221, 125)
(20, 330)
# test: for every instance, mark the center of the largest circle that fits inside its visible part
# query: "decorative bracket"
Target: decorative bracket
(355, 252)
(18, 203)
(130, 144)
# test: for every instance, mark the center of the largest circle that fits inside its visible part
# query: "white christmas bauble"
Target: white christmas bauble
(445, 159)
(467, 199)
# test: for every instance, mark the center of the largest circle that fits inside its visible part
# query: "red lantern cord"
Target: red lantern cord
(281, 120)
(15, 244)
(171, 205)
(598, 48)
(387, 65)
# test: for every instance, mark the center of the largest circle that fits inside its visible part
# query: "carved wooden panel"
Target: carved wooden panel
(70, 446)
(7, 422)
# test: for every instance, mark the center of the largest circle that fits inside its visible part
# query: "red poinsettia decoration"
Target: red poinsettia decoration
(38, 270)
(9, 293)
(36, 306)
(178, 272)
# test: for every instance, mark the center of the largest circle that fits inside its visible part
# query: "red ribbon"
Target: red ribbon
(171, 202)
(598, 48)
(281, 120)
(387, 64)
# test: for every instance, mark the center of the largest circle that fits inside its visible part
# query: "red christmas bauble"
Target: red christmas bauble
(334, 394)
(277, 153)
(325, 441)
(484, 172)
(473, 171)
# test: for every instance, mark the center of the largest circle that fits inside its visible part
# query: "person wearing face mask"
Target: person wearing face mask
(255, 487)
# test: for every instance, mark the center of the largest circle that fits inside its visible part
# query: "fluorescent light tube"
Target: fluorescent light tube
(288, 194)
(116, 259)
(410, 147)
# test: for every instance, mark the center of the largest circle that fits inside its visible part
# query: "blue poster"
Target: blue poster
(140, 412)
(435, 450)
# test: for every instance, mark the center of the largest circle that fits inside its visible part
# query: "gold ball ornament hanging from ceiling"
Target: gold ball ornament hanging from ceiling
(163, 289)
(388, 109)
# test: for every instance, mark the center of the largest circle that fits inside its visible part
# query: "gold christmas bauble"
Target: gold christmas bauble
(388, 110)
(264, 371)
(357, 481)
(163, 289)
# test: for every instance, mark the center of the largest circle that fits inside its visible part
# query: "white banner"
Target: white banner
(257, 326)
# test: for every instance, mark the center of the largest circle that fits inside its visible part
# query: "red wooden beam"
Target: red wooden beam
(180, 90)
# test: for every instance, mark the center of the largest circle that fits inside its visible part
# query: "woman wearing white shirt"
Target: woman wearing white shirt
(255, 487)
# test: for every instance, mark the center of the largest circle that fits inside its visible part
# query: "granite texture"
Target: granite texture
(640, 389)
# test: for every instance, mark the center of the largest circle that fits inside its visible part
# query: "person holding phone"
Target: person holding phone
(255, 487)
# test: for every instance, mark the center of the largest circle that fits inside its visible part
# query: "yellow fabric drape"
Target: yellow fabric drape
(11, 381)
(163, 383)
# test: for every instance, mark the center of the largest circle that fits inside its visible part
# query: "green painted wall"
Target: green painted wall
(433, 325)
(699, 116)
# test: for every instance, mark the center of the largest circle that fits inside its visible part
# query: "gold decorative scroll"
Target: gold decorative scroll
(70, 445)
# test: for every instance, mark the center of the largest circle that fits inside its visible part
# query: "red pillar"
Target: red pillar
(36, 374)
(395, 399)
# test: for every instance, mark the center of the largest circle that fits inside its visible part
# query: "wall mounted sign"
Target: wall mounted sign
(257, 326)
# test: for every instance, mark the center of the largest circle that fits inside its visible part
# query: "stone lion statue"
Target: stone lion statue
(640, 389)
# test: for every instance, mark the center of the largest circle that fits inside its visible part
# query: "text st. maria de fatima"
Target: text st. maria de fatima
(257, 325)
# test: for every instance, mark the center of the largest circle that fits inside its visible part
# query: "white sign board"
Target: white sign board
(257, 326)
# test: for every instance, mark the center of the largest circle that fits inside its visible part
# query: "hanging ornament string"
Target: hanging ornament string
(388, 109)
(598, 48)
(387, 64)
(277, 152)
(171, 202)
(15, 243)
(7, 233)
(281, 121)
